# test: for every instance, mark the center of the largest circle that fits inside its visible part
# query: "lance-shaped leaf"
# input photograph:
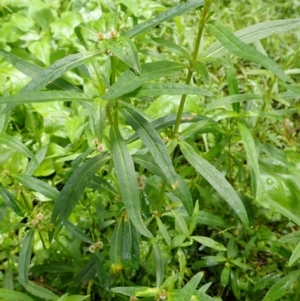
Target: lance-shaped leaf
(254, 33)
(128, 54)
(32, 71)
(227, 100)
(153, 89)
(127, 180)
(160, 154)
(216, 179)
(75, 186)
(250, 148)
(48, 96)
(163, 17)
(77, 232)
(10, 200)
(126, 83)
(160, 264)
(188, 290)
(174, 48)
(239, 48)
(24, 257)
(57, 69)
(87, 272)
(38, 186)
(40, 291)
(40, 156)
(295, 255)
(17, 145)
(10, 295)
(116, 244)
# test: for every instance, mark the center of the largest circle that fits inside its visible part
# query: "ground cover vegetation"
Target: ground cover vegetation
(149, 150)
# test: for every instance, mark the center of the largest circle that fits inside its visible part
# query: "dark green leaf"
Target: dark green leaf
(160, 264)
(40, 291)
(77, 232)
(10, 200)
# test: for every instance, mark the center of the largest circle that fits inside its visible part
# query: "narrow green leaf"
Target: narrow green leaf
(10, 200)
(174, 48)
(17, 145)
(153, 89)
(32, 71)
(24, 257)
(208, 242)
(160, 155)
(163, 17)
(217, 180)
(250, 148)
(4, 120)
(189, 289)
(40, 291)
(10, 295)
(164, 232)
(203, 296)
(227, 100)
(57, 69)
(160, 264)
(139, 291)
(75, 186)
(38, 186)
(239, 48)
(281, 287)
(48, 96)
(87, 272)
(131, 250)
(156, 70)
(181, 224)
(97, 118)
(295, 255)
(40, 156)
(127, 179)
(254, 33)
(77, 232)
(291, 238)
(126, 83)
(116, 244)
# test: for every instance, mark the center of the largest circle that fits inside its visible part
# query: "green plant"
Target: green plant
(156, 146)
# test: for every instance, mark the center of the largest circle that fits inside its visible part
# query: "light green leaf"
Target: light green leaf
(239, 48)
(156, 70)
(174, 48)
(24, 257)
(254, 33)
(17, 145)
(57, 69)
(164, 232)
(281, 287)
(188, 290)
(160, 155)
(127, 179)
(40, 291)
(181, 224)
(159, 263)
(250, 148)
(38, 186)
(75, 186)
(40, 156)
(126, 83)
(163, 17)
(10, 200)
(97, 118)
(153, 89)
(295, 255)
(203, 296)
(32, 71)
(216, 179)
(48, 96)
(227, 100)
(77, 232)
(208, 242)
(139, 291)
(9, 295)
(116, 243)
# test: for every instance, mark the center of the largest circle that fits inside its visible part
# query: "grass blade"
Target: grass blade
(75, 186)
(295, 255)
(127, 179)
(24, 257)
(255, 32)
(17, 145)
(10, 200)
(217, 180)
(239, 48)
(163, 17)
(160, 154)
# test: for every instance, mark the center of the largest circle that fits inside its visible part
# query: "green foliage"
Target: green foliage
(144, 157)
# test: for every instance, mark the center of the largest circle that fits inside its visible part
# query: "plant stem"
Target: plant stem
(202, 21)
